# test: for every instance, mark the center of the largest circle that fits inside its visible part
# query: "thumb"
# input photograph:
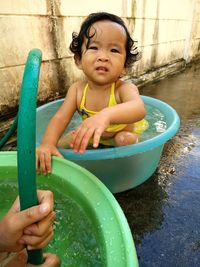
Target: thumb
(58, 154)
(31, 215)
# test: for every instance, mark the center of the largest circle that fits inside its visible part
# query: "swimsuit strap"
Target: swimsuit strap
(82, 104)
(112, 100)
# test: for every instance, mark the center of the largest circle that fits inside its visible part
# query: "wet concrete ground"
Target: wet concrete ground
(164, 212)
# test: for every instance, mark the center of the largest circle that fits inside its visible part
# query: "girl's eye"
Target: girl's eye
(93, 47)
(114, 50)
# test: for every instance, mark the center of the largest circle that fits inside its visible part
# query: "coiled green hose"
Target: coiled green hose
(9, 133)
(26, 140)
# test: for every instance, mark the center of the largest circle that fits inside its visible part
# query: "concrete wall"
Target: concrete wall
(167, 31)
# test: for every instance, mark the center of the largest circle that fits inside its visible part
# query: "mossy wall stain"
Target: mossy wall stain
(57, 32)
(155, 37)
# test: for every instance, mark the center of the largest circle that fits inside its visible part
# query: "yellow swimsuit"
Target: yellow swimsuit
(139, 126)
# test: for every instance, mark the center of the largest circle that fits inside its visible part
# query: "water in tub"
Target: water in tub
(155, 118)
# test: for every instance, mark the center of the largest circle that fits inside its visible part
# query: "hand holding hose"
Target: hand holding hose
(20, 260)
(31, 227)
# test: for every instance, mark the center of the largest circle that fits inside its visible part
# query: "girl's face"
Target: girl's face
(103, 61)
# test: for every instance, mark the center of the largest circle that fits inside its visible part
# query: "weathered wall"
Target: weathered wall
(167, 31)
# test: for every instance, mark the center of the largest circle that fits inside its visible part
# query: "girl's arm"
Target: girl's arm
(129, 110)
(61, 119)
(54, 130)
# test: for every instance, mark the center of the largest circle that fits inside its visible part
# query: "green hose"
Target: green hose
(26, 140)
(9, 133)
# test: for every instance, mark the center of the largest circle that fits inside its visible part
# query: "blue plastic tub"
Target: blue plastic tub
(119, 168)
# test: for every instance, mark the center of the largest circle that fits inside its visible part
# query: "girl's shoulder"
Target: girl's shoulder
(78, 85)
(125, 90)
(122, 86)
(77, 89)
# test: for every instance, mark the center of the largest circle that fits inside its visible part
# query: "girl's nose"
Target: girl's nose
(102, 56)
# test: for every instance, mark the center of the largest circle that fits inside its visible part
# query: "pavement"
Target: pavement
(164, 212)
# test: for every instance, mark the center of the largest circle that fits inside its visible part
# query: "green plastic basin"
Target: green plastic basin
(109, 224)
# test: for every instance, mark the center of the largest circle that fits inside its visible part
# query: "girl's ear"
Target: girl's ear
(78, 62)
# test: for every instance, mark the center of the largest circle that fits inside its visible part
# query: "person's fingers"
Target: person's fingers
(30, 216)
(34, 242)
(85, 140)
(43, 163)
(45, 196)
(74, 134)
(35, 233)
(58, 154)
(79, 136)
(43, 160)
(39, 229)
(15, 207)
(96, 138)
(51, 260)
(47, 162)
(37, 163)
(18, 260)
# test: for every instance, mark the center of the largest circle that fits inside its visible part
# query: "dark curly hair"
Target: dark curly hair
(132, 53)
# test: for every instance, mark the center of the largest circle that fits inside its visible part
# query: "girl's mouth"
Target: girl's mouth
(101, 68)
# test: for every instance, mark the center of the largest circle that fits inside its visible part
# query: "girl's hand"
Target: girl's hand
(43, 157)
(92, 127)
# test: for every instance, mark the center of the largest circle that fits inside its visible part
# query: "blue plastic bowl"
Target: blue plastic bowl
(119, 168)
